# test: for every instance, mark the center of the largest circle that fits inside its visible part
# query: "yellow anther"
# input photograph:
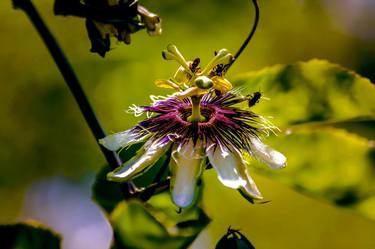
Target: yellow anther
(221, 84)
(182, 76)
(166, 84)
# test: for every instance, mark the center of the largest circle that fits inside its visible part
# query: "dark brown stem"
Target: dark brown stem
(154, 188)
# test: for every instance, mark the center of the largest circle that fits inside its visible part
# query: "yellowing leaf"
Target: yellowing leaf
(329, 164)
(314, 91)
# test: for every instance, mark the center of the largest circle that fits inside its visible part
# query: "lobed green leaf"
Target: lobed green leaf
(313, 91)
(138, 225)
(328, 113)
(329, 164)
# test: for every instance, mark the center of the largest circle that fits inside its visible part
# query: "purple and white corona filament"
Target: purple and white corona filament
(201, 121)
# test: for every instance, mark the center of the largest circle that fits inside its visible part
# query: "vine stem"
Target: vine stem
(74, 85)
(251, 34)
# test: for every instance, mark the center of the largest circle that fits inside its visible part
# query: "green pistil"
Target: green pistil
(196, 115)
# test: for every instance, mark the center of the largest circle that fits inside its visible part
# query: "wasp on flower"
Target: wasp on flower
(201, 121)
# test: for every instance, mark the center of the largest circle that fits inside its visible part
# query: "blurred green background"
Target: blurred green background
(43, 134)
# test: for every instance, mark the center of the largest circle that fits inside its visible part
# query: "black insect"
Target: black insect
(233, 239)
(194, 67)
(254, 98)
(218, 70)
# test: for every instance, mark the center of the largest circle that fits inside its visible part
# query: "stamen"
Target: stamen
(222, 57)
(166, 84)
(172, 53)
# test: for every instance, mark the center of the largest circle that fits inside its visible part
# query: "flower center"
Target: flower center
(196, 113)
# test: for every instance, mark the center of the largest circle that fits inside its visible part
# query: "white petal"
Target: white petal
(122, 139)
(232, 171)
(266, 154)
(136, 165)
(227, 166)
(186, 166)
(250, 189)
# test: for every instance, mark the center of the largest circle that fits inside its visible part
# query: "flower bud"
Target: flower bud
(233, 239)
(151, 21)
(110, 18)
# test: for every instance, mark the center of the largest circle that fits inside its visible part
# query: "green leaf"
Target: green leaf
(329, 164)
(28, 236)
(329, 116)
(314, 91)
(107, 194)
(137, 225)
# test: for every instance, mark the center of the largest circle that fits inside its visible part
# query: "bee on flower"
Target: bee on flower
(201, 123)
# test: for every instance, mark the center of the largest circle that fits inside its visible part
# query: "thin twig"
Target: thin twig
(157, 185)
(74, 86)
(154, 188)
(251, 34)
